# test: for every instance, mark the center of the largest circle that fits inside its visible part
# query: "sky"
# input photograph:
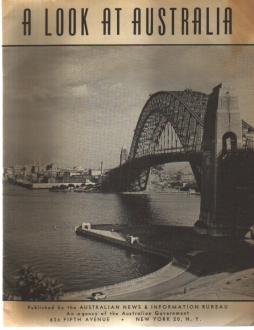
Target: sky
(77, 106)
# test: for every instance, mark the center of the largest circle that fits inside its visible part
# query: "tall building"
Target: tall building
(123, 155)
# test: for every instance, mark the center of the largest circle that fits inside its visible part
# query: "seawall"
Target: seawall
(160, 276)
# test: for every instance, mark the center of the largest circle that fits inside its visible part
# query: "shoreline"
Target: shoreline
(143, 282)
(181, 285)
(195, 274)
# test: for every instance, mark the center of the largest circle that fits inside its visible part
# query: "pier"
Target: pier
(198, 266)
(130, 243)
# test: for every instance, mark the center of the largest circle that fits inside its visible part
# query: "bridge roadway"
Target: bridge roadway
(161, 158)
(118, 178)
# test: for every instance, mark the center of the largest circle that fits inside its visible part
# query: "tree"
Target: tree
(32, 285)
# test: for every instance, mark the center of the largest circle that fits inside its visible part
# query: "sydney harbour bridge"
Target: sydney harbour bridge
(206, 131)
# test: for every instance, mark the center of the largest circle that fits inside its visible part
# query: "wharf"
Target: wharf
(200, 268)
(43, 185)
(120, 240)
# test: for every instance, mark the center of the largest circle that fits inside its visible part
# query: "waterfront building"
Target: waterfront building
(95, 173)
(9, 173)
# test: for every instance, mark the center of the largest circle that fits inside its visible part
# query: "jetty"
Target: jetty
(128, 242)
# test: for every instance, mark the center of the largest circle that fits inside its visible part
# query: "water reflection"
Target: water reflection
(39, 231)
(137, 208)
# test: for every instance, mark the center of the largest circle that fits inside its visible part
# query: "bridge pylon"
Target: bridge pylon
(222, 168)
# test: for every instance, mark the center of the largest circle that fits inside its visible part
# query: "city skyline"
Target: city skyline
(80, 105)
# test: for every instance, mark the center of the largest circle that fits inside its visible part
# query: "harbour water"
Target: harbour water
(39, 231)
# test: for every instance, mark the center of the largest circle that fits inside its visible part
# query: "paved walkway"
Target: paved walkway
(110, 234)
(138, 286)
(176, 282)
(223, 286)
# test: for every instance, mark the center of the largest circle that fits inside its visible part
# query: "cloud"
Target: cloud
(60, 100)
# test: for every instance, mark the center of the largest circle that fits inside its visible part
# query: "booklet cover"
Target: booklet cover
(128, 181)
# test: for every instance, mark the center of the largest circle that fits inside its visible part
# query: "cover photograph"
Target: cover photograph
(128, 168)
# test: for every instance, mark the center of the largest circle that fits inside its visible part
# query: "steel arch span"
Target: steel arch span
(169, 129)
(183, 110)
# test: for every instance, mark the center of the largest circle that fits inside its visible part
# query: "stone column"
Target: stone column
(222, 137)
